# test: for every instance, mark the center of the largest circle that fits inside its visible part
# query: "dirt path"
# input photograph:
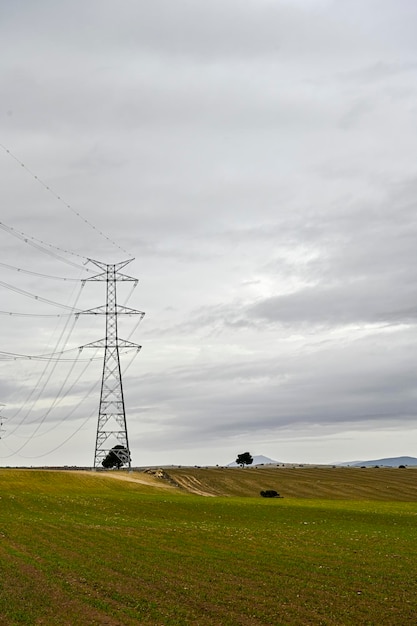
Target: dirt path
(133, 477)
(193, 485)
(162, 479)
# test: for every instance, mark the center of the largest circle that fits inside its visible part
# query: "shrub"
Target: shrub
(270, 493)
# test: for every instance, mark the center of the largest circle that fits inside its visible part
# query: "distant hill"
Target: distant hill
(389, 462)
(260, 459)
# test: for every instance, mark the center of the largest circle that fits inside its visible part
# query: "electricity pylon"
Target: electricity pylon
(111, 424)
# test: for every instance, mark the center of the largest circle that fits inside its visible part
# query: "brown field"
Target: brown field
(346, 483)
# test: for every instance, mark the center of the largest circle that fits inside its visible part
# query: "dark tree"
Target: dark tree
(117, 457)
(244, 459)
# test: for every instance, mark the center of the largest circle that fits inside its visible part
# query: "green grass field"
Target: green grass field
(80, 548)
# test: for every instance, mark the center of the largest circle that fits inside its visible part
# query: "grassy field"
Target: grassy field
(79, 548)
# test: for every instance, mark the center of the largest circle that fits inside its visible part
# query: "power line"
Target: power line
(48, 362)
(43, 379)
(56, 356)
(61, 200)
(13, 356)
(28, 294)
(76, 312)
(59, 398)
(43, 246)
(89, 392)
(16, 314)
(23, 271)
(54, 449)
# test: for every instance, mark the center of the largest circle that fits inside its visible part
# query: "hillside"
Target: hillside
(298, 482)
(386, 462)
(335, 483)
(258, 459)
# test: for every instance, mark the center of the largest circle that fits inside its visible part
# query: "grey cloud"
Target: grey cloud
(379, 71)
(360, 302)
(325, 387)
(257, 159)
(207, 29)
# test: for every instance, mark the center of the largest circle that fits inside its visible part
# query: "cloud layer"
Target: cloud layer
(258, 162)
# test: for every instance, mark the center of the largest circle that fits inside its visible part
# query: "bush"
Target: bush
(270, 493)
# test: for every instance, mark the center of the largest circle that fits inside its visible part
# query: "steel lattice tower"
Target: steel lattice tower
(111, 424)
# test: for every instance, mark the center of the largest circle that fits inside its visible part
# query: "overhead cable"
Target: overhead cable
(49, 451)
(59, 398)
(11, 356)
(33, 435)
(23, 271)
(60, 345)
(39, 298)
(44, 247)
(16, 314)
(61, 200)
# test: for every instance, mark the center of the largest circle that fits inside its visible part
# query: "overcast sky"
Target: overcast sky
(257, 159)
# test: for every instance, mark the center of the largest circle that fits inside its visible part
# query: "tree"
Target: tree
(244, 459)
(118, 456)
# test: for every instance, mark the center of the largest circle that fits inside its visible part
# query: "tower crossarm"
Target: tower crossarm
(116, 269)
(103, 278)
(106, 343)
(119, 310)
